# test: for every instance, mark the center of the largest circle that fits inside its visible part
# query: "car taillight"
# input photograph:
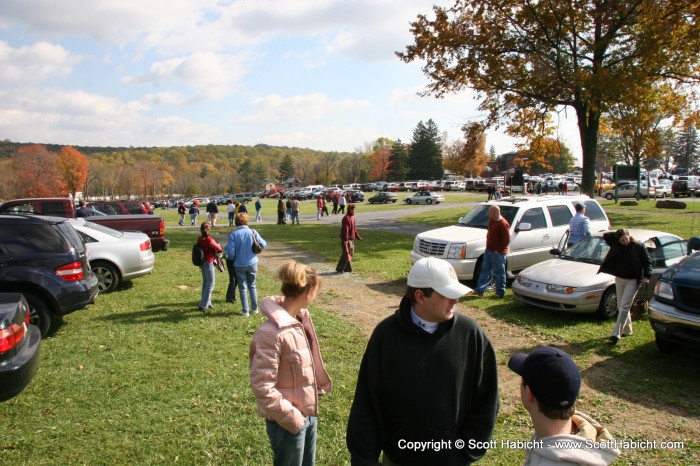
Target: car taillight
(145, 246)
(162, 227)
(11, 336)
(71, 272)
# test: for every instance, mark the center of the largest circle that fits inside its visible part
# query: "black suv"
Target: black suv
(45, 259)
(674, 311)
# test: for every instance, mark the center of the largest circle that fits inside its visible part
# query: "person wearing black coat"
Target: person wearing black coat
(629, 262)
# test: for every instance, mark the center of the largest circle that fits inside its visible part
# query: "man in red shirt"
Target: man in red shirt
(348, 234)
(493, 264)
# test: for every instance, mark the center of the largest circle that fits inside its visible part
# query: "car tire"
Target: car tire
(383, 201)
(664, 345)
(408, 201)
(107, 274)
(638, 196)
(428, 201)
(609, 197)
(39, 312)
(608, 304)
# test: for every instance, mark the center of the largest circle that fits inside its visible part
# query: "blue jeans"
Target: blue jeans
(293, 449)
(246, 281)
(208, 279)
(493, 266)
(258, 216)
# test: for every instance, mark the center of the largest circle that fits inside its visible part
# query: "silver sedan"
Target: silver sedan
(425, 197)
(571, 282)
(115, 256)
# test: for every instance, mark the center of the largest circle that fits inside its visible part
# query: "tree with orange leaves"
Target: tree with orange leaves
(73, 166)
(36, 173)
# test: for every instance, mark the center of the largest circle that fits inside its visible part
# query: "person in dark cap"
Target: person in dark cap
(629, 262)
(579, 225)
(549, 387)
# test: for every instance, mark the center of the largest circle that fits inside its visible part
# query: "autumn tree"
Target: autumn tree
(452, 154)
(379, 159)
(545, 56)
(544, 154)
(398, 162)
(425, 152)
(639, 131)
(73, 166)
(36, 173)
(474, 156)
(327, 166)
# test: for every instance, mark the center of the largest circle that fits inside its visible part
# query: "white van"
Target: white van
(536, 226)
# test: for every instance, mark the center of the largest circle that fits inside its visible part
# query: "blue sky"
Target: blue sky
(320, 74)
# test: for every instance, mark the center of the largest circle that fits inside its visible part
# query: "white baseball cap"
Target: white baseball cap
(439, 275)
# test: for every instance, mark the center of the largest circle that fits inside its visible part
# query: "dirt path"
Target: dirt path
(365, 301)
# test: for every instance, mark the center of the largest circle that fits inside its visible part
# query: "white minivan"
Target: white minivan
(536, 226)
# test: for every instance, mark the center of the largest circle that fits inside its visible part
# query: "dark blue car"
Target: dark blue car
(19, 345)
(674, 311)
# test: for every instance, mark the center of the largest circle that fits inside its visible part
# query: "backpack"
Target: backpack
(197, 254)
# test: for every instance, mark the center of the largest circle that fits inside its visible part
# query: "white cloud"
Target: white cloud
(274, 107)
(33, 63)
(210, 75)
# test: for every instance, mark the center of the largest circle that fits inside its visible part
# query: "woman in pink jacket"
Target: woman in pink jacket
(286, 369)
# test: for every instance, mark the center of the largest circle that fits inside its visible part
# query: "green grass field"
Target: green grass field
(142, 378)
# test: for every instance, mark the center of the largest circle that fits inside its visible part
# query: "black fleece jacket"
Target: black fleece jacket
(631, 261)
(414, 386)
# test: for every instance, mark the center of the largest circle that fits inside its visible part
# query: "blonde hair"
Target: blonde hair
(297, 279)
(242, 219)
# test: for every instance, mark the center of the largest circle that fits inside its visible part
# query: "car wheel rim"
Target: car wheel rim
(611, 305)
(104, 277)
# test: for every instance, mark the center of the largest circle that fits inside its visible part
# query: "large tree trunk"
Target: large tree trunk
(588, 125)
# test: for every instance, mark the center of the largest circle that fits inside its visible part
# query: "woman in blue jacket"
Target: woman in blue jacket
(245, 261)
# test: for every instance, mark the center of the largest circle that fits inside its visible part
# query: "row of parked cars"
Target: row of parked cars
(549, 275)
(51, 266)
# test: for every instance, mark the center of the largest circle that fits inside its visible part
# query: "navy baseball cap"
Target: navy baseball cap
(579, 207)
(553, 377)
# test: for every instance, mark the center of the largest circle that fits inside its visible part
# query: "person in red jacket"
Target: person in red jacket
(493, 264)
(210, 248)
(348, 234)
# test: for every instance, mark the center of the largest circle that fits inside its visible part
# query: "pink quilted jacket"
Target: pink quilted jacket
(286, 369)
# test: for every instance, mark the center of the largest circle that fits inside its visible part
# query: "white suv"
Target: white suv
(536, 226)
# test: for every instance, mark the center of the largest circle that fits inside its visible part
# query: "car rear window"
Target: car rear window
(134, 208)
(32, 239)
(560, 215)
(72, 236)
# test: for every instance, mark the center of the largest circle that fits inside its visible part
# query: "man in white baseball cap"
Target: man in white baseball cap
(428, 374)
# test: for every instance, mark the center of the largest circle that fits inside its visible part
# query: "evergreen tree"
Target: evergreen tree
(398, 161)
(686, 149)
(286, 168)
(492, 153)
(425, 154)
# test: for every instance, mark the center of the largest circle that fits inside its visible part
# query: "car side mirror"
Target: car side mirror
(524, 226)
(555, 252)
(459, 220)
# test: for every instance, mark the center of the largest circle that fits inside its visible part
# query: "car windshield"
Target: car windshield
(591, 250)
(478, 217)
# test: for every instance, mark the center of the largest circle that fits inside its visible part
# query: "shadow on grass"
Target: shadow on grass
(172, 313)
(643, 374)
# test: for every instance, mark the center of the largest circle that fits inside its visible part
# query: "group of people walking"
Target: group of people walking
(241, 260)
(428, 372)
